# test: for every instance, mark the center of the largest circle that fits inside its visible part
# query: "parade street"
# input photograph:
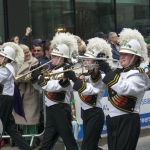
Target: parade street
(143, 144)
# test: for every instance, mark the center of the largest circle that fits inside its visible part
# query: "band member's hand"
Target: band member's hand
(35, 66)
(35, 74)
(100, 55)
(82, 77)
(104, 66)
(67, 66)
(71, 75)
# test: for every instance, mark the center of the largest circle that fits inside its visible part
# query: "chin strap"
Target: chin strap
(58, 61)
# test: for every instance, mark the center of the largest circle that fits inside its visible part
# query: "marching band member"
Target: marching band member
(57, 94)
(10, 52)
(126, 87)
(93, 117)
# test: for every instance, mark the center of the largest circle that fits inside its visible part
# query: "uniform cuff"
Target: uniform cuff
(111, 78)
(42, 82)
(65, 83)
(94, 79)
(33, 80)
(79, 85)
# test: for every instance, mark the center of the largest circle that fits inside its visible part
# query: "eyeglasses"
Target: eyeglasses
(36, 50)
(26, 52)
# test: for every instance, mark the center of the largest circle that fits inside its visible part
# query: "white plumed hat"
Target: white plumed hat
(64, 45)
(13, 51)
(131, 41)
(97, 45)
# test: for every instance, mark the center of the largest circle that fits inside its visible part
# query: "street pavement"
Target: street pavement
(143, 144)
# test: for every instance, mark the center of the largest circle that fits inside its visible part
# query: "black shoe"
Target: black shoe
(99, 148)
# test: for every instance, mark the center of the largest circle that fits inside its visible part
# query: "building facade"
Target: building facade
(80, 17)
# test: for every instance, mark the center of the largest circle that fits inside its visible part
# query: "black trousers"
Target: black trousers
(6, 106)
(123, 131)
(93, 122)
(58, 122)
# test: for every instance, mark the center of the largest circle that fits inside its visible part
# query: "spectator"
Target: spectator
(113, 40)
(47, 49)
(100, 35)
(30, 99)
(14, 39)
(81, 45)
(38, 49)
(24, 39)
(36, 42)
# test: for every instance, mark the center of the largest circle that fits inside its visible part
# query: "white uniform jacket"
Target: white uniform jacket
(126, 89)
(55, 90)
(6, 79)
(90, 93)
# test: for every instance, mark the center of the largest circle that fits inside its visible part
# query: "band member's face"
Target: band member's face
(88, 62)
(55, 59)
(3, 60)
(125, 59)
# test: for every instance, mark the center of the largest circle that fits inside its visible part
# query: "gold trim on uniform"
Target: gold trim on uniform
(94, 81)
(83, 87)
(43, 83)
(115, 80)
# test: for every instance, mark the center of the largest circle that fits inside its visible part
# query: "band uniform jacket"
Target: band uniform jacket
(91, 92)
(30, 97)
(6, 79)
(55, 90)
(126, 89)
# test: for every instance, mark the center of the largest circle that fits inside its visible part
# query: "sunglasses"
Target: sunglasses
(36, 50)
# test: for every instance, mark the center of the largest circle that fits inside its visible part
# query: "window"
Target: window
(134, 14)
(2, 34)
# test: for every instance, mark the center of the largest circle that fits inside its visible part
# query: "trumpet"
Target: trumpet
(90, 58)
(20, 77)
(47, 74)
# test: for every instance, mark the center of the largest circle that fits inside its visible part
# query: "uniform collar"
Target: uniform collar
(58, 66)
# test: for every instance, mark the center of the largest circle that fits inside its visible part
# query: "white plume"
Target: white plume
(127, 34)
(99, 45)
(68, 39)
